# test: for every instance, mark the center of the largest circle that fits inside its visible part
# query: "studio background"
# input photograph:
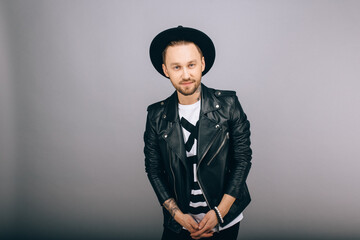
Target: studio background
(76, 80)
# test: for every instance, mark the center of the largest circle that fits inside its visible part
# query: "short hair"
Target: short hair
(177, 43)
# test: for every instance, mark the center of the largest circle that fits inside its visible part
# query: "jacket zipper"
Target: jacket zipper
(222, 144)
(197, 169)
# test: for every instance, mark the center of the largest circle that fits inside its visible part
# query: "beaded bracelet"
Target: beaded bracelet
(218, 215)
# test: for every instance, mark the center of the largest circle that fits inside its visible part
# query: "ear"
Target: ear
(202, 64)
(165, 70)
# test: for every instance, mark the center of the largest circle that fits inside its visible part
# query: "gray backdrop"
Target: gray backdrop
(76, 80)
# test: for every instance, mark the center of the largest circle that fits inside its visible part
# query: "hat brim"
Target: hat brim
(160, 42)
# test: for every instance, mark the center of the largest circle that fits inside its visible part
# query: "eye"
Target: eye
(176, 67)
(191, 65)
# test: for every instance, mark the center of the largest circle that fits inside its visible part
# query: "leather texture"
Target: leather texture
(223, 150)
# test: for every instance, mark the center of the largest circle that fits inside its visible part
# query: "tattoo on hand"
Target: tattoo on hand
(171, 206)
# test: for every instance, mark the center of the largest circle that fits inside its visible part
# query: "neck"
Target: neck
(187, 100)
(190, 99)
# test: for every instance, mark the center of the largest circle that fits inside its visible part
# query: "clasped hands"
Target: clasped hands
(203, 229)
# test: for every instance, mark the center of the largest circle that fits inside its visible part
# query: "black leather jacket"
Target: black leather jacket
(223, 151)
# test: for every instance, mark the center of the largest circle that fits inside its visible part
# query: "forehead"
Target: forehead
(182, 53)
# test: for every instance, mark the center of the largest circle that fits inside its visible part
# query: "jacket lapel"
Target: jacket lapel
(208, 128)
(174, 136)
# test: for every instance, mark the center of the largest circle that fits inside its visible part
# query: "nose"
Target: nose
(186, 74)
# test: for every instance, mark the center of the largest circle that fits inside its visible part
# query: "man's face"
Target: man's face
(184, 66)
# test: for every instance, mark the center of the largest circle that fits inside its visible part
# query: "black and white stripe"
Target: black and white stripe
(197, 203)
(197, 206)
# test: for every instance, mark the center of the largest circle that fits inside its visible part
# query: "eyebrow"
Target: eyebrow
(192, 61)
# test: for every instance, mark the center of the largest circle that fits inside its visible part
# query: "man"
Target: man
(197, 143)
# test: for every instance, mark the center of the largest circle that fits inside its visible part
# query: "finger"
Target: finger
(194, 224)
(191, 229)
(206, 230)
(203, 222)
(204, 235)
(199, 233)
(196, 234)
(207, 235)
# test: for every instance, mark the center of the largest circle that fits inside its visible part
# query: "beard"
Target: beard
(187, 90)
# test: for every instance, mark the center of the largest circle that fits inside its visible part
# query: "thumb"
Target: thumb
(194, 224)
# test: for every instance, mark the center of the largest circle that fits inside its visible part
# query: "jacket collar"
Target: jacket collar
(209, 102)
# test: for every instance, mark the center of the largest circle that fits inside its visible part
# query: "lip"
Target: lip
(187, 83)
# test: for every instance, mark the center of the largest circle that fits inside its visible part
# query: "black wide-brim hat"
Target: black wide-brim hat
(161, 41)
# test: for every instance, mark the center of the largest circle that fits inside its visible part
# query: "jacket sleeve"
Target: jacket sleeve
(240, 150)
(153, 163)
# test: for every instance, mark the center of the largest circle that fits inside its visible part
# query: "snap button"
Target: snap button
(164, 116)
(219, 93)
(165, 136)
(217, 106)
(217, 126)
(162, 103)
